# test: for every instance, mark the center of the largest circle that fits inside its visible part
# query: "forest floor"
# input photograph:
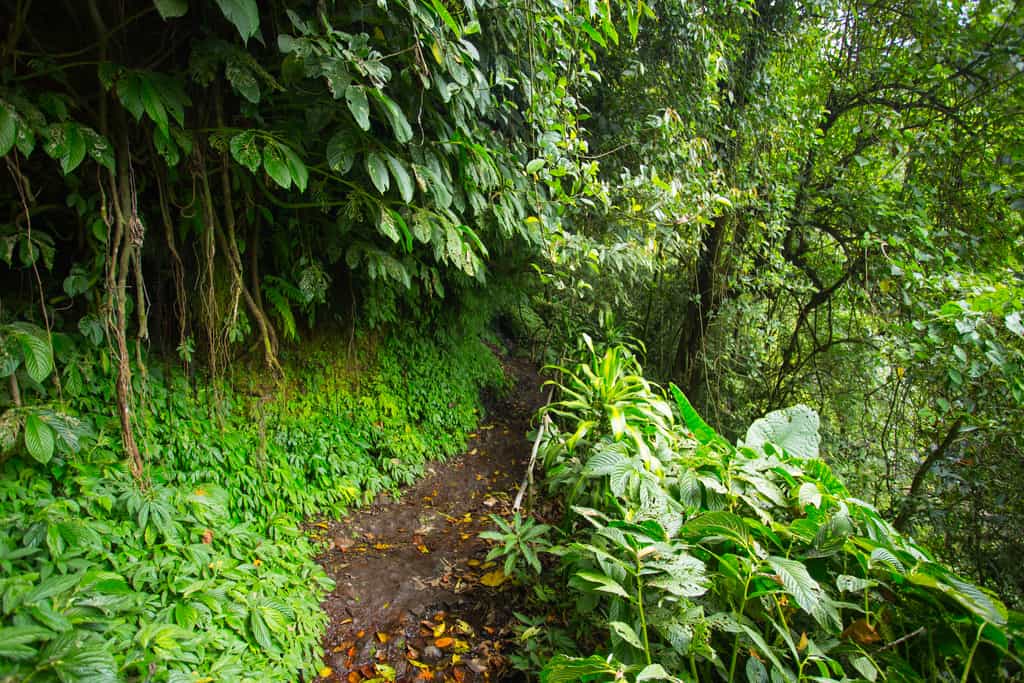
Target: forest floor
(415, 597)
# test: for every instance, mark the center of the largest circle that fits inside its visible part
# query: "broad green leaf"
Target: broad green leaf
(756, 671)
(794, 429)
(605, 584)
(594, 35)
(340, 154)
(171, 9)
(245, 150)
(296, 168)
(865, 667)
(275, 165)
(535, 165)
(446, 17)
(355, 97)
(701, 430)
(403, 180)
(654, 672)
(808, 494)
(244, 14)
(243, 80)
(8, 130)
(853, 584)
(378, 171)
(388, 227)
(395, 116)
(804, 589)
(626, 632)
(565, 669)
(35, 349)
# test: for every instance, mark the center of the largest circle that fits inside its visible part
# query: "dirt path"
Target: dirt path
(414, 599)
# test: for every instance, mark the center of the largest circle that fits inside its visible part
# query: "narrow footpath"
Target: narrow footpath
(415, 598)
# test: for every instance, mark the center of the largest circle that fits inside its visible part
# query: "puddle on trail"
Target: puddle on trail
(415, 599)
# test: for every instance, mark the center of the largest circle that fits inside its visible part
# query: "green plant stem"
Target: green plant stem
(970, 655)
(736, 640)
(640, 607)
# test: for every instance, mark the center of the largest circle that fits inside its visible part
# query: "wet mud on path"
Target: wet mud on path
(415, 598)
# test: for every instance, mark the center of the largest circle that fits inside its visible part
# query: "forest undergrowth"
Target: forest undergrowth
(203, 573)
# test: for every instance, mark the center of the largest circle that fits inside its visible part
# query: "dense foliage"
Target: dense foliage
(709, 561)
(249, 250)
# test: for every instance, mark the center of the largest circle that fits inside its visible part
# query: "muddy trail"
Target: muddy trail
(415, 598)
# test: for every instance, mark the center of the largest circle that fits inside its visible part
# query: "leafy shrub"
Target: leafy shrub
(204, 575)
(102, 582)
(708, 561)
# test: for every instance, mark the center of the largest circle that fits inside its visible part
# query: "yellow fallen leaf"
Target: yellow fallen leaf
(439, 629)
(493, 579)
(461, 646)
(487, 565)
(382, 637)
(381, 546)
(465, 537)
(418, 664)
(422, 548)
(472, 563)
(326, 671)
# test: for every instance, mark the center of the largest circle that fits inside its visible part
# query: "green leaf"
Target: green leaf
(74, 148)
(701, 430)
(594, 35)
(8, 130)
(296, 167)
(808, 494)
(340, 154)
(804, 589)
(171, 9)
(403, 180)
(244, 14)
(378, 171)
(243, 80)
(35, 349)
(654, 672)
(535, 165)
(245, 150)
(388, 227)
(446, 17)
(794, 429)
(38, 438)
(605, 584)
(395, 116)
(275, 164)
(626, 632)
(865, 667)
(565, 669)
(355, 97)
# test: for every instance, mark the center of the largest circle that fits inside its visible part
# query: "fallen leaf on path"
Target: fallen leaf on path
(493, 579)
(444, 642)
(325, 672)
(382, 637)
(422, 548)
(439, 630)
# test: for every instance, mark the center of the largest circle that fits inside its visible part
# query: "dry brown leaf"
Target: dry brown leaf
(861, 632)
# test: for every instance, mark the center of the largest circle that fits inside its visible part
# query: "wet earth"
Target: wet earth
(415, 597)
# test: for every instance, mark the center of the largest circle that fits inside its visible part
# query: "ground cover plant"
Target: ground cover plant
(204, 573)
(706, 560)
